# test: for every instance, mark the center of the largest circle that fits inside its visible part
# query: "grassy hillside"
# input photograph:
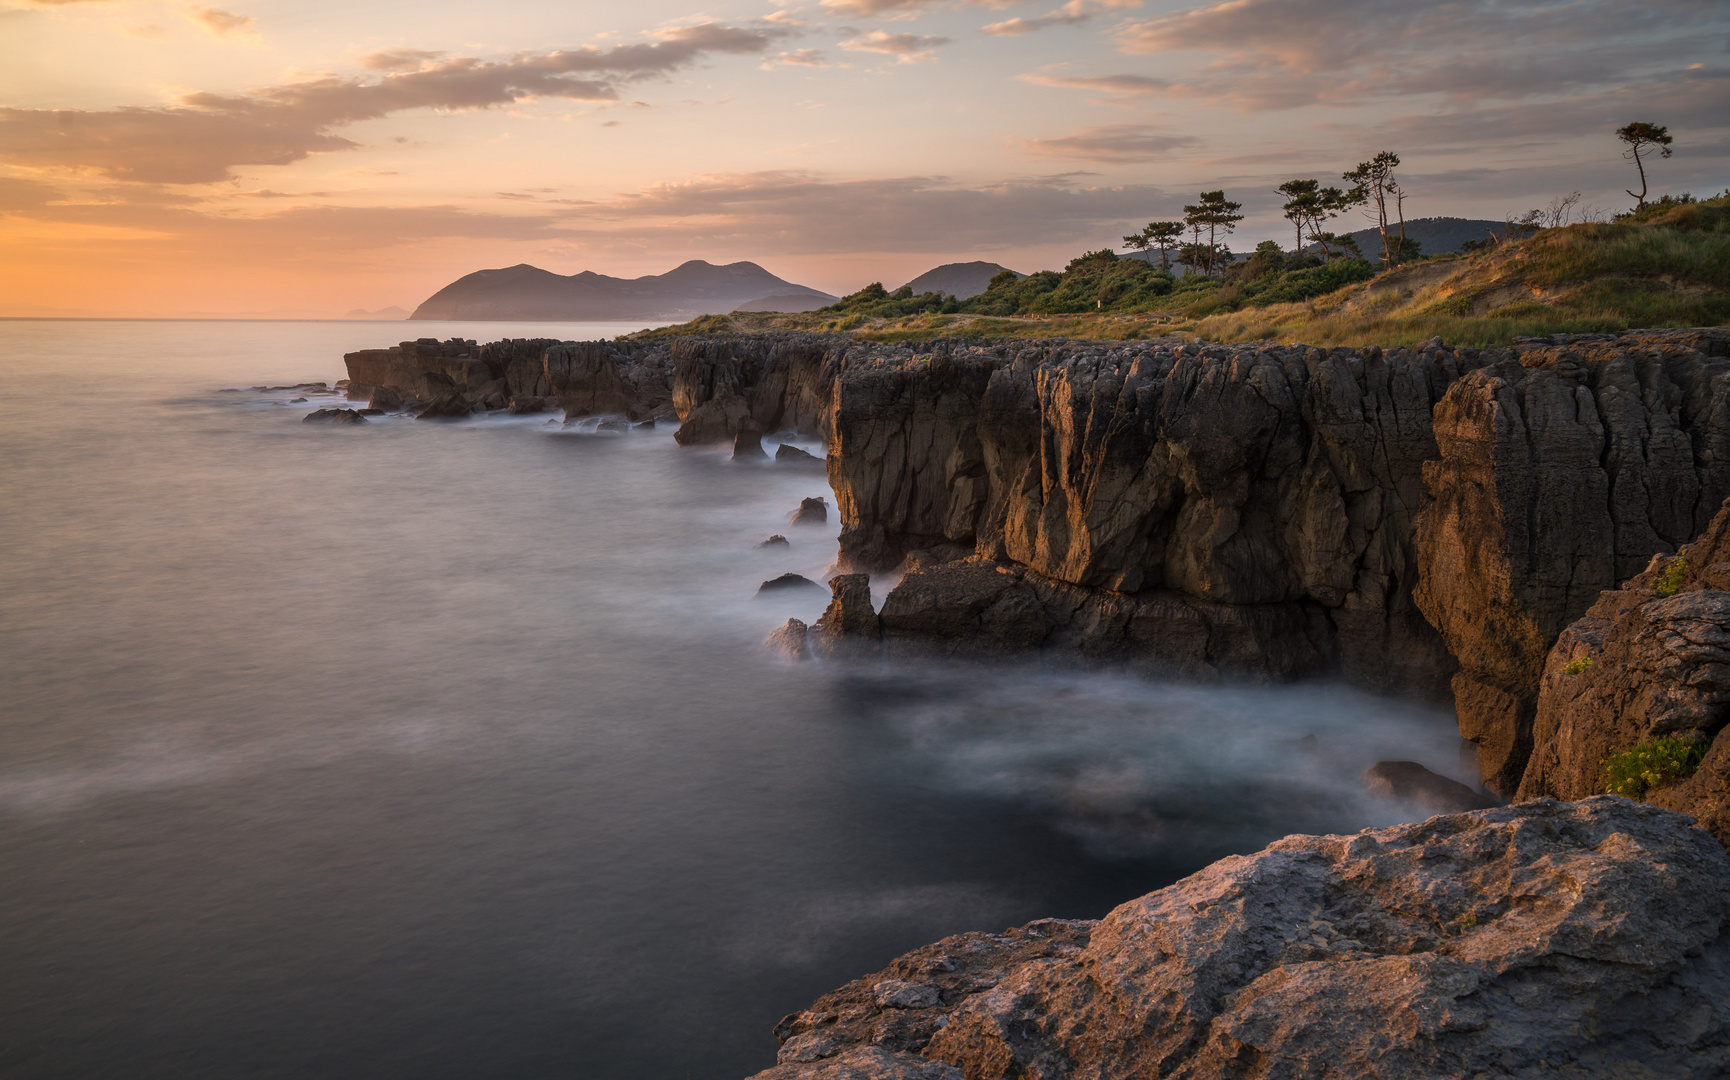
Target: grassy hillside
(1669, 266)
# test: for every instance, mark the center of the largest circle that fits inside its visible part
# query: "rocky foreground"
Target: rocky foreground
(1548, 939)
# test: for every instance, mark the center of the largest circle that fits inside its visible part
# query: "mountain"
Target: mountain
(392, 312)
(1438, 235)
(960, 280)
(788, 303)
(530, 293)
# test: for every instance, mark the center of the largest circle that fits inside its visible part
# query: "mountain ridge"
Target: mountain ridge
(529, 293)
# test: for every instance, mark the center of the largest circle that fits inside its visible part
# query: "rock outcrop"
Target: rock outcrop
(1650, 659)
(1545, 939)
(1411, 783)
(788, 641)
(1561, 471)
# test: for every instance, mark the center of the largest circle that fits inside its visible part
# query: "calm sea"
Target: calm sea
(449, 749)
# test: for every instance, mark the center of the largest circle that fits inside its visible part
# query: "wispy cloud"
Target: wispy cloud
(905, 48)
(222, 23)
(799, 58)
(206, 136)
(1116, 85)
(1112, 144)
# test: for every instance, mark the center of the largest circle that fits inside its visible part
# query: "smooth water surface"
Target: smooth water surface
(450, 749)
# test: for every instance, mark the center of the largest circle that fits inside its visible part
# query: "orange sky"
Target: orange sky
(303, 159)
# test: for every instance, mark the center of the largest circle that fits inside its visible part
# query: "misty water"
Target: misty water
(451, 750)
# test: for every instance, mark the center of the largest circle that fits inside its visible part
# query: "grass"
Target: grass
(1652, 764)
(1667, 266)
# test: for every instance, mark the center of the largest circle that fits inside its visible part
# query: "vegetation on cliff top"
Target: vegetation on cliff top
(1665, 264)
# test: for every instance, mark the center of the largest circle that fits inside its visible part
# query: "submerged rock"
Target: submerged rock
(811, 512)
(788, 641)
(790, 456)
(786, 582)
(333, 416)
(1531, 941)
(775, 541)
(1410, 782)
(748, 446)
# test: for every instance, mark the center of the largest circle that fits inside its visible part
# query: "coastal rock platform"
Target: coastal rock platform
(1545, 939)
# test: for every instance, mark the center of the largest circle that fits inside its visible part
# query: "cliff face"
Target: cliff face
(1644, 662)
(1414, 520)
(1561, 471)
(1536, 940)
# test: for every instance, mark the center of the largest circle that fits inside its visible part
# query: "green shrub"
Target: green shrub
(1651, 764)
(1675, 571)
(1577, 665)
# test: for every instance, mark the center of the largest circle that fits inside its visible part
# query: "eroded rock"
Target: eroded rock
(1538, 940)
(813, 511)
(1410, 782)
(788, 641)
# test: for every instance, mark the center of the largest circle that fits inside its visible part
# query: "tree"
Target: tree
(1309, 206)
(1643, 138)
(1303, 199)
(1216, 214)
(1373, 183)
(1158, 234)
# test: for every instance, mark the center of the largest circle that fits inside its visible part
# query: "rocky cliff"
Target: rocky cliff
(1561, 471)
(1420, 521)
(1648, 660)
(1540, 940)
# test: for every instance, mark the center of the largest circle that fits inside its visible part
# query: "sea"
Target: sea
(452, 750)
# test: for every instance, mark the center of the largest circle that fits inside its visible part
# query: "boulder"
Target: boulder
(384, 399)
(849, 627)
(787, 583)
(1539, 940)
(813, 511)
(788, 641)
(449, 405)
(1409, 782)
(775, 541)
(789, 456)
(616, 424)
(333, 416)
(748, 446)
(526, 406)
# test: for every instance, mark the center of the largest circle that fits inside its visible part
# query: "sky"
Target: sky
(303, 158)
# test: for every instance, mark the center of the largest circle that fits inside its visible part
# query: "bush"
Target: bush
(1577, 665)
(1651, 764)
(1675, 572)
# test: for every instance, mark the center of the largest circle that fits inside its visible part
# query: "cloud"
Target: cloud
(801, 213)
(205, 136)
(1112, 144)
(903, 8)
(800, 58)
(771, 213)
(905, 48)
(1070, 14)
(1274, 54)
(399, 59)
(1119, 85)
(222, 23)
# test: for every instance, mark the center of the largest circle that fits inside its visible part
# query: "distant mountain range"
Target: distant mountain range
(392, 312)
(960, 280)
(1438, 235)
(694, 288)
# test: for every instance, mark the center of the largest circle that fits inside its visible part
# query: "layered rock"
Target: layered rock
(420, 372)
(1561, 471)
(1538, 940)
(1192, 509)
(1648, 660)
